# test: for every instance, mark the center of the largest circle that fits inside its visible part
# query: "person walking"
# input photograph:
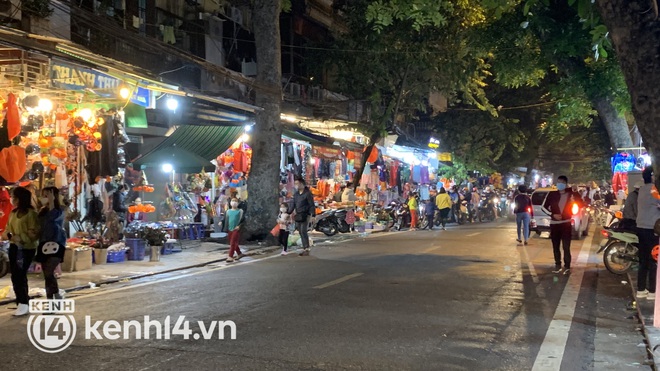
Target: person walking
(413, 206)
(629, 220)
(305, 209)
(443, 203)
(524, 214)
(234, 218)
(52, 239)
(284, 221)
(23, 233)
(429, 212)
(648, 212)
(558, 204)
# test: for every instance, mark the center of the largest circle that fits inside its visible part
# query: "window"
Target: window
(538, 198)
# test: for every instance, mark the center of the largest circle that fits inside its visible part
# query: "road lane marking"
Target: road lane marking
(553, 347)
(473, 234)
(431, 249)
(338, 281)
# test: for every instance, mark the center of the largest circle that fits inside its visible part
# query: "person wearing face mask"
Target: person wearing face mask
(52, 239)
(558, 204)
(23, 233)
(284, 221)
(303, 205)
(234, 217)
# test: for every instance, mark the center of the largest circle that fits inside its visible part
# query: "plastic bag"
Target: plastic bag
(4, 292)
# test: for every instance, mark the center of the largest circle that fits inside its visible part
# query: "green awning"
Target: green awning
(206, 142)
(181, 161)
(136, 116)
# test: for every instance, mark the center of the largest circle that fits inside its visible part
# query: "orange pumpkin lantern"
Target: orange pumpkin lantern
(13, 163)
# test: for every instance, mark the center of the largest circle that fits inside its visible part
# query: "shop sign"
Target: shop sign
(71, 77)
(444, 157)
(434, 143)
(333, 153)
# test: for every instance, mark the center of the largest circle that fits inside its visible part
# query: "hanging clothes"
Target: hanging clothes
(424, 175)
(417, 174)
(105, 162)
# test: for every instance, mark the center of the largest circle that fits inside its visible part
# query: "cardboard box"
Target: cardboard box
(77, 259)
(100, 256)
(83, 259)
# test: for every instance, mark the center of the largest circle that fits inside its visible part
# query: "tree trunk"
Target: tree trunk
(264, 181)
(635, 33)
(616, 125)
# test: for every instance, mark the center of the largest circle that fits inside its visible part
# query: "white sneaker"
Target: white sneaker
(557, 270)
(229, 260)
(22, 310)
(642, 294)
(284, 253)
(651, 296)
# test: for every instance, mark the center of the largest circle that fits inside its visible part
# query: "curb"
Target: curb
(650, 346)
(264, 250)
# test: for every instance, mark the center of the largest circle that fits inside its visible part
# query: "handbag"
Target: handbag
(300, 218)
(275, 231)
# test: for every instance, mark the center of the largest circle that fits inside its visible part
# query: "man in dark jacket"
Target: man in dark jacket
(303, 205)
(559, 204)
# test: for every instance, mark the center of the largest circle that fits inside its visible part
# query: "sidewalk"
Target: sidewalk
(645, 311)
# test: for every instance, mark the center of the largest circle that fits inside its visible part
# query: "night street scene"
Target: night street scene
(329, 185)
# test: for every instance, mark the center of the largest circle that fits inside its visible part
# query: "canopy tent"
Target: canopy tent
(204, 142)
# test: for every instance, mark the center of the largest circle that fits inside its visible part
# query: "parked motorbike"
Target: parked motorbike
(4, 258)
(402, 215)
(620, 250)
(326, 223)
(340, 220)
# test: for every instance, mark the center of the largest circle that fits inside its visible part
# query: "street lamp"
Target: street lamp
(167, 168)
(172, 104)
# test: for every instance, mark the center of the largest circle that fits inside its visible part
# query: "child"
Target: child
(429, 211)
(284, 220)
(234, 217)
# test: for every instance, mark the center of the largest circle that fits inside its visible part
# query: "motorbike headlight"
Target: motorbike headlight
(496, 200)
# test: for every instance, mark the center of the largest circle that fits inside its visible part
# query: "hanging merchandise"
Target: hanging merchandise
(13, 117)
(12, 163)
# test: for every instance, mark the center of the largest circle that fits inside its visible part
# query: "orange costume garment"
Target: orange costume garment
(5, 207)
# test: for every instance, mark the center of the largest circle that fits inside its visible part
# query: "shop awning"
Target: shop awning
(207, 142)
(182, 161)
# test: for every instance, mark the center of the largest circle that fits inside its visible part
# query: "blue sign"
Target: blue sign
(72, 77)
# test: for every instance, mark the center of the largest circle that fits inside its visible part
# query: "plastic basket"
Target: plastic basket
(116, 256)
(136, 248)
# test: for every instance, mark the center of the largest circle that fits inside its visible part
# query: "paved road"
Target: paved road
(463, 299)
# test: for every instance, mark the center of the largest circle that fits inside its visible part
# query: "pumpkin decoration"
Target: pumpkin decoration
(13, 163)
(13, 119)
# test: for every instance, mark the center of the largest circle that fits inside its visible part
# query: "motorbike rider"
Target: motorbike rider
(474, 204)
(489, 195)
(648, 213)
(467, 196)
(629, 220)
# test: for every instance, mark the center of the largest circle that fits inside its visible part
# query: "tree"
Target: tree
(263, 186)
(394, 65)
(635, 32)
